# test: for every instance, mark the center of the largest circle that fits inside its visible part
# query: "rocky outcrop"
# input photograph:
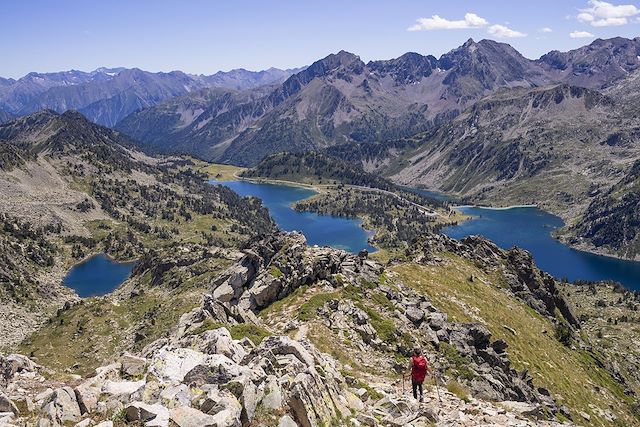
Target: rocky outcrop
(474, 358)
(277, 265)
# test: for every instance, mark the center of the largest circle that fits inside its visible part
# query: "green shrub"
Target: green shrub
(459, 390)
(309, 309)
(373, 394)
(208, 325)
(564, 333)
(275, 272)
(248, 330)
(458, 362)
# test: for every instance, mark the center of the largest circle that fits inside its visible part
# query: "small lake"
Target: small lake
(531, 229)
(322, 230)
(97, 275)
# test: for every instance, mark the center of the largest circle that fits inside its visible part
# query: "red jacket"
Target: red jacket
(419, 368)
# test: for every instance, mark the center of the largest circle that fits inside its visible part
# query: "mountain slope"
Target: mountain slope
(315, 336)
(5, 116)
(595, 65)
(194, 124)
(241, 79)
(611, 222)
(71, 188)
(551, 145)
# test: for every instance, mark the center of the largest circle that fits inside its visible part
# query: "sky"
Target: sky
(202, 37)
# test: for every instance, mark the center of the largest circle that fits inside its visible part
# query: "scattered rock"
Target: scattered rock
(6, 405)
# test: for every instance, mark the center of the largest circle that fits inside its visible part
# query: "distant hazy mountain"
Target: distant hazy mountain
(107, 95)
(209, 117)
(241, 79)
(341, 100)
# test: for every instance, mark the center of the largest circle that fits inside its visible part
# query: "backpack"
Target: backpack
(418, 368)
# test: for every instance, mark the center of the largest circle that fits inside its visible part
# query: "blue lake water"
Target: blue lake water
(97, 275)
(528, 228)
(322, 230)
(531, 228)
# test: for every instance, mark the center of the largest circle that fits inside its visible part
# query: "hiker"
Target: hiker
(419, 368)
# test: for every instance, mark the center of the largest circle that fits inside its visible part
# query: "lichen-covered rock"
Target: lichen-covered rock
(154, 415)
(190, 417)
(61, 406)
(132, 366)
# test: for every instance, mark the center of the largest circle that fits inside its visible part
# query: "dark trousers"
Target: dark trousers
(416, 386)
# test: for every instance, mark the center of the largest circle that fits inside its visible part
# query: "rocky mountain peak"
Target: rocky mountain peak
(335, 61)
(476, 68)
(342, 64)
(470, 42)
(405, 69)
(48, 131)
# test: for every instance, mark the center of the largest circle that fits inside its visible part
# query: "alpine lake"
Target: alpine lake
(527, 227)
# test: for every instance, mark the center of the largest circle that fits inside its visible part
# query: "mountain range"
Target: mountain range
(106, 95)
(342, 100)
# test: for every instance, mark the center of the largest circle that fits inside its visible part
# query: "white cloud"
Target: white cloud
(546, 30)
(502, 32)
(603, 14)
(580, 34)
(471, 20)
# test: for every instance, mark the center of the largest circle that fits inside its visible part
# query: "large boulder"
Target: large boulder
(15, 363)
(61, 406)
(132, 366)
(122, 389)
(89, 391)
(214, 369)
(221, 403)
(414, 314)
(190, 417)
(154, 415)
(313, 385)
(218, 341)
(171, 365)
(273, 398)
(176, 395)
(6, 405)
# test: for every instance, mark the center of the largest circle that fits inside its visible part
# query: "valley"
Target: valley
(269, 248)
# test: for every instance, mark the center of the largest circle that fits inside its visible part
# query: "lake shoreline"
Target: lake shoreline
(582, 247)
(497, 208)
(78, 285)
(535, 231)
(280, 198)
(550, 233)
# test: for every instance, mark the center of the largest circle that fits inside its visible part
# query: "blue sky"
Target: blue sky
(207, 36)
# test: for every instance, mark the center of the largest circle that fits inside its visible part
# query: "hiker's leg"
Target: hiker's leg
(420, 386)
(414, 385)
